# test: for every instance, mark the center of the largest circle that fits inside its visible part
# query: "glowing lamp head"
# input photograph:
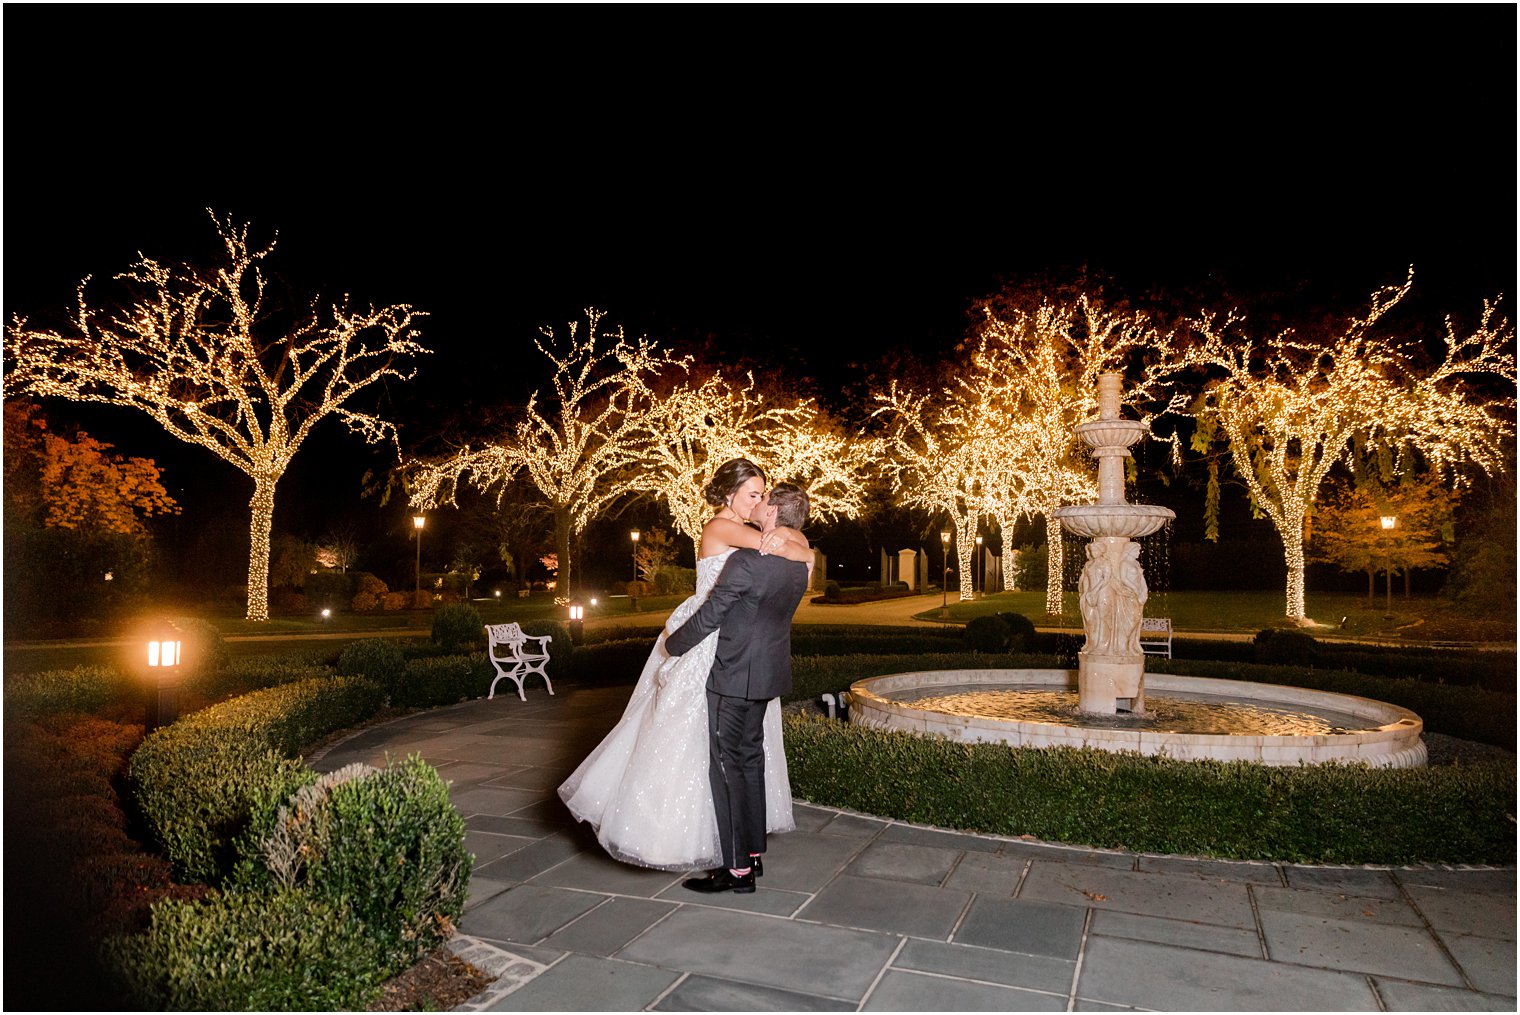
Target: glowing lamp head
(577, 612)
(1390, 521)
(326, 612)
(163, 647)
(944, 537)
(634, 535)
(418, 521)
(593, 602)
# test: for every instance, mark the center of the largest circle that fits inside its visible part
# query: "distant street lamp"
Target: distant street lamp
(163, 674)
(944, 578)
(977, 570)
(633, 594)
(418, 521)
(1390, 522)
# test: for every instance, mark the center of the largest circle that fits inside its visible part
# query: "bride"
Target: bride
(645, 789)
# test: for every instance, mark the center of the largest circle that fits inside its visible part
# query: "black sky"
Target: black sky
(826, 183)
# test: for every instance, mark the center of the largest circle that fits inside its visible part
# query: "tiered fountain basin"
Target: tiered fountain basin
(1356, 729)
(1131, 521)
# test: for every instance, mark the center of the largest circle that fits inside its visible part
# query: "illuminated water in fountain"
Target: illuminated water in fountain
(1108, 702)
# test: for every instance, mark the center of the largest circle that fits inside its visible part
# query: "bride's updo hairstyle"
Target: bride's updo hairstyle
(731, 475)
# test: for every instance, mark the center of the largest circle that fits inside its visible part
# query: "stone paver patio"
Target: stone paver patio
(861, 914)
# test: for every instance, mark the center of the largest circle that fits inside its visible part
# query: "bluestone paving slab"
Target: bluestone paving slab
(468, 773)
(511, 825)
(898, 861)
(544, 780)
(919, 992)
(527, 913)
(482, 889)
(1018, 925)
(1466, 912)
(1346, 880)
(767, 900)
(1359, 946)
(530, 861)
(1222, 870)
(810, 819)
(1336, 905)
(1142, 974)
(1209, 937)
(1061, 854)
(806, 861)
(826, 961)
(587, 983)
(1033, 972)
(488, 846)
(1084, 1005)
(598, 872)
(550, 808)
(1175, 896)
(490, 800)
(1489, 963)
(706, 993)
(893, 907)
(854, 825)
(940, 837)
(1399, 995)
(1494, 881)
(610, 926)
(987, 873)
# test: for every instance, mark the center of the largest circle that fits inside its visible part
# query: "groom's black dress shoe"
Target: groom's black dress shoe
(758, 866)
(722, 881)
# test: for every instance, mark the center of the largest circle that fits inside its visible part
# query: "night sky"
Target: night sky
(742, 175)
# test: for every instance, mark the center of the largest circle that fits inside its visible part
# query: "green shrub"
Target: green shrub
(209, 785)
(250, 951)
(375, 659)
(671, 580)
(1342, 814)
(1030, 567)
(832, 590)
(389, 842)
(329, 589)
(443, 680)
(457, 625)
(987, 634)
(1022, 637)
(608, 662)
(252, 673)
(202, 649)
(81, 689)
(1281, 647)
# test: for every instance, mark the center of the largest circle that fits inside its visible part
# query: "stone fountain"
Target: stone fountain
(1189, 718)
(1111, 665)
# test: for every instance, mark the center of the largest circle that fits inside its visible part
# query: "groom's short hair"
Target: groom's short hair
(791, 503)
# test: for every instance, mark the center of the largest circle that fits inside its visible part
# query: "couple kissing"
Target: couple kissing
(694, 775)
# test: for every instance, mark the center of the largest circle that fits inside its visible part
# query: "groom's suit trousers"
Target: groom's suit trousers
(736, 768)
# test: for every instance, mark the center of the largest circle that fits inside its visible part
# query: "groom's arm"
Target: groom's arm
(738, 577)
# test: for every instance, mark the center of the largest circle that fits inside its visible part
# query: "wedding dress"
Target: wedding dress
(645, 788)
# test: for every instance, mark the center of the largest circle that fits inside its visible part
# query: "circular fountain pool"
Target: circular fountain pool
(1188, 718)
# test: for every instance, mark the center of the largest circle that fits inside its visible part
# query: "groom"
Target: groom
(751, 607)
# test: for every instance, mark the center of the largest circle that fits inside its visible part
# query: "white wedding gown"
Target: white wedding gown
(645, 788)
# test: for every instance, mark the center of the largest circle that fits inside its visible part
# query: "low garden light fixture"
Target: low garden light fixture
(577, 622)
(164, 650)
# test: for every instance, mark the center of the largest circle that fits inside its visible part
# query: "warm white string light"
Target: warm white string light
(189, 352)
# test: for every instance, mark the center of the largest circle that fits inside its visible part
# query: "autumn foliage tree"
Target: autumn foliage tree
(76, 519)
(202, 354)
(1349, 531)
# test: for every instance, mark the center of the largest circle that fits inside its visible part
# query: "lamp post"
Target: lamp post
(633, 594)
(1390, 522)
(577, 622)
(163, 674)
(944, 577)
(418, 521)
(978, 571)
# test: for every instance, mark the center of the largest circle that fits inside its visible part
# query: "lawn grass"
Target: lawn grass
(1412, 621)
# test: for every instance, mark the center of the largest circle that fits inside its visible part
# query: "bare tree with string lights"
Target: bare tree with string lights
(1289, 410)
(577, 441)
(698, 426)
(196, 351)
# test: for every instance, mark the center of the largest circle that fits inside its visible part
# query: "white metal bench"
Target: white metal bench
(518, 659)
(1156, 636)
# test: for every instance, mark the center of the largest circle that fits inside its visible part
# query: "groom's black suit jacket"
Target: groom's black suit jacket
(751, 607)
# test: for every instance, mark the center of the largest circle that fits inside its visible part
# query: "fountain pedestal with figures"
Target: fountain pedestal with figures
(1111, 665)
(1188, 718)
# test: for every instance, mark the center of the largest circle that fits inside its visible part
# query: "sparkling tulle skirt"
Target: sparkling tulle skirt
(645, 788)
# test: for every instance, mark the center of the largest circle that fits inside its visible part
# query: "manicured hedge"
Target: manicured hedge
(203, 783)
(81, 689)
(1316, 814)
